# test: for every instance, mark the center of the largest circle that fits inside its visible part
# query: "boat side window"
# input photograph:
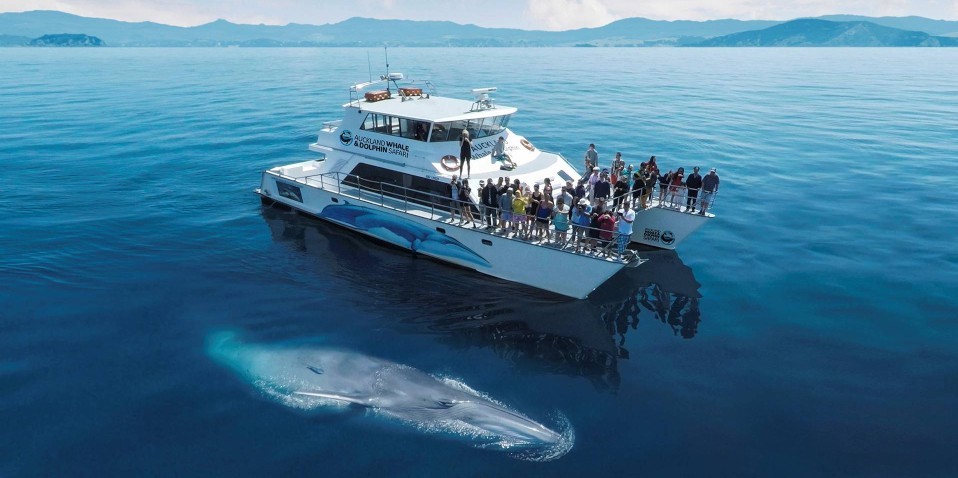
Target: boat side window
(473, 127)
(394, 183)
(369, 124)
(455, 130)
(440, 131)
(413, 129)
(500, 123)
(396, 126)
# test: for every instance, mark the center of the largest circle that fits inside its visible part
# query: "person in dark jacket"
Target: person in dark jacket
(693, 183)
(603, 189)
(620, 190)
(490, 202)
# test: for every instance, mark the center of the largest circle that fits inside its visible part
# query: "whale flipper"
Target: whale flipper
(333, 396)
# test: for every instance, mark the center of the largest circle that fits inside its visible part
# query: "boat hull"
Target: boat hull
(514, 260)
(665, 227)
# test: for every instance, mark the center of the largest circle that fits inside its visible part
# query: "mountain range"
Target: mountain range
(21, 28)
(812, 32)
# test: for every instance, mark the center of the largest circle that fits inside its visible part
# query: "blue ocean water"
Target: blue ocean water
(809, 330)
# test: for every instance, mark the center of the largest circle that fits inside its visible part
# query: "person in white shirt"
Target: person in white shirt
(623, 225)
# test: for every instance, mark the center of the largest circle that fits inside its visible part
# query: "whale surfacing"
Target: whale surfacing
(318, 377)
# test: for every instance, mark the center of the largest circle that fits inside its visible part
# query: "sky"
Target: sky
(524, 14)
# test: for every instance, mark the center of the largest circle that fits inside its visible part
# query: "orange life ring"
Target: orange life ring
(526, 144)
(449, 163)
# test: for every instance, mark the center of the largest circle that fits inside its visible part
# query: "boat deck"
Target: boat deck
(436, 208)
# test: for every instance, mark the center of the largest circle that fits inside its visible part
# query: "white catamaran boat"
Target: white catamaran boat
(384, 171)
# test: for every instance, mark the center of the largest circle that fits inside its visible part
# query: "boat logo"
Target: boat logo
(346, 137)
(668, 237)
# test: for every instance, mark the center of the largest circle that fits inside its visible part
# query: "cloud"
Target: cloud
(569, 14)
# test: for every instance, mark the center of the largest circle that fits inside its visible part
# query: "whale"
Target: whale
(406, 234)
(315, 377)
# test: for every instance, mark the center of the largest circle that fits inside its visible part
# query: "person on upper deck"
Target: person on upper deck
(465, 153)
(499, 150)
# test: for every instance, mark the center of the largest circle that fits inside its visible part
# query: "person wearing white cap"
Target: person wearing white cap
(581, 215)
(710, 185)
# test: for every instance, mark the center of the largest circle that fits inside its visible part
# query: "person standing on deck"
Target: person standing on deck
(505, 208)
(602, 189)
(710, 185)
(465, 200)
(453, 191)
(465, 153)
(623, 224)
(693, 183)
(593, 180)
(490, 202)
(591, 158)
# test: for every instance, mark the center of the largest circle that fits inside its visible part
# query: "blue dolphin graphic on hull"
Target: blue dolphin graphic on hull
(402, 233)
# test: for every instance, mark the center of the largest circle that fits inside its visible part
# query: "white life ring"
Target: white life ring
(449, 163)
(526, 144)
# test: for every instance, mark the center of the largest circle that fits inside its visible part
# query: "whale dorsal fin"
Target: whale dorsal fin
(334, 396)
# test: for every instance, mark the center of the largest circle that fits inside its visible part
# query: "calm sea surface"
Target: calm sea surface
(809, 330)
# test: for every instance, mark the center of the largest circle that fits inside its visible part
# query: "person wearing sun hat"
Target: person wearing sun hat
(581, 215)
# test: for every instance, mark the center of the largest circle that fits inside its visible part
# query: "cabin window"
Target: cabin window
(415, 189)
(440, 131)
(396, 126)
(478, 128)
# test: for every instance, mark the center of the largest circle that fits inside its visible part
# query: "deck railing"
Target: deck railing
(440, 207)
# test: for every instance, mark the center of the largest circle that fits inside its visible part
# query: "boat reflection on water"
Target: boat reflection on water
(535, 331)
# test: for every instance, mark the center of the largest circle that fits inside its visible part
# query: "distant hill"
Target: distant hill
(917, 24)
(67, 40)
(371, 32)
(821, 33)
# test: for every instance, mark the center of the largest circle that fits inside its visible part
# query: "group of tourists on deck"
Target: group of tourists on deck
(674, 187)
(590, 216)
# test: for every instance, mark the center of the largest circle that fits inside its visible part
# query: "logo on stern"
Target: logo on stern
(667, 237)
(346, 137)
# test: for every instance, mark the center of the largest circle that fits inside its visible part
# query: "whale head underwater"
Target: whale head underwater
(319, 377)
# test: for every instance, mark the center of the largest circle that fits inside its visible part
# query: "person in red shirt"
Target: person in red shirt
(606, 228)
